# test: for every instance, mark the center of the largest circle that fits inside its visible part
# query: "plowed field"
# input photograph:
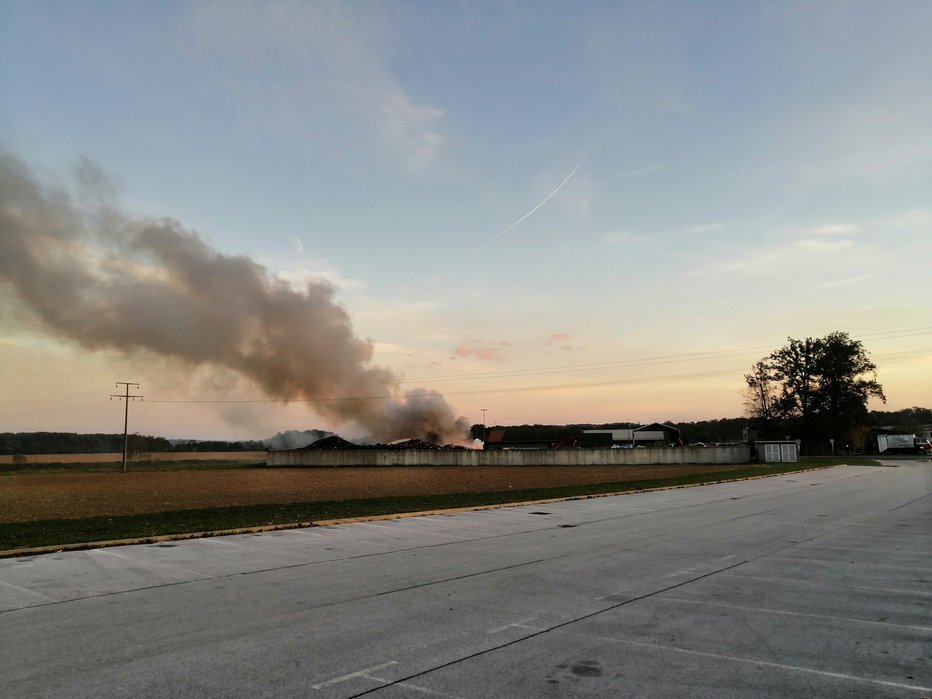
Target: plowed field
(32, 497)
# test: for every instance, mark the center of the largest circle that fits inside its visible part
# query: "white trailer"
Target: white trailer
(890, 443)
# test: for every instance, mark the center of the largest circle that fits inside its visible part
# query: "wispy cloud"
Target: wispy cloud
(703, 228)
(878, 142)
(414, 128)
(312, 271)
(481, 349)
(623, 237)
(297, 244)
(835, 229)
(561, 340)
(319, 74)
(899, 301)
(640, 171)
(813, 245)
(844, 282)
(819, 251)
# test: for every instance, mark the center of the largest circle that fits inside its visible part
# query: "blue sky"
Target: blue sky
(746, 172)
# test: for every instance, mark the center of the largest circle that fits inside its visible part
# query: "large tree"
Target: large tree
(820, 385)
(848, 379)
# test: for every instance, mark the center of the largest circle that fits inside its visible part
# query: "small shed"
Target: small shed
(777, 451)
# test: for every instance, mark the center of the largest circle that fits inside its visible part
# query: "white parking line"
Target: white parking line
(373, 524)
(770, 579)
(359, 673)
(785, 612)
(921, 593)
(523, 624)
(27, 591)
(217, 540)
(865, 564)
(432, 692)
(686, 571)
(761, 663)
(150, 564)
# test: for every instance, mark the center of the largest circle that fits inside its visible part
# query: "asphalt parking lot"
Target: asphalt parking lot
(810, 584)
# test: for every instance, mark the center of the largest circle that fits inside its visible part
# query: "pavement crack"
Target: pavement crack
(922, 497)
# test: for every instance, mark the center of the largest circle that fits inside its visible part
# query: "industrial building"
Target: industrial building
(653, 435)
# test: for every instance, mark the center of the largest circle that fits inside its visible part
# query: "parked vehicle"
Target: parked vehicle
(903, 444)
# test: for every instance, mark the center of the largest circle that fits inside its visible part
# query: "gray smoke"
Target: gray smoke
(105, 280)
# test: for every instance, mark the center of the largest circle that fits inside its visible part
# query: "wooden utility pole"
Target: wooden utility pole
(125, 397)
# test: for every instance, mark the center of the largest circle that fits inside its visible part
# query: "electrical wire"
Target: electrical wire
(591, 366)
(29, 405)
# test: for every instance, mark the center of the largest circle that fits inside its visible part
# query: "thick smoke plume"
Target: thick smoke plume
(105, 280)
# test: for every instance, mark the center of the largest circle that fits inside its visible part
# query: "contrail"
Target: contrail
(543, 201)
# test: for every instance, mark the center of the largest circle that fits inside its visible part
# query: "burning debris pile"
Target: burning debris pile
(412, 444)
(104, 280)
(338, 443)
(334, 442)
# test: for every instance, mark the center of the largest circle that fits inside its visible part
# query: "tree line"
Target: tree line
(103, 443)
(100, 443)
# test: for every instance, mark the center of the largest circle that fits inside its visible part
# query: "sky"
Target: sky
(549, 212)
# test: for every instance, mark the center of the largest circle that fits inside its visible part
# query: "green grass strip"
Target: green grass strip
(56, 532)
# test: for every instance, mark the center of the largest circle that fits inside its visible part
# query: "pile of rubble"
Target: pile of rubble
(336, 442)
(333, 442)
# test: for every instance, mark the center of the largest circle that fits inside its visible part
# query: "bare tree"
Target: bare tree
(761, 398)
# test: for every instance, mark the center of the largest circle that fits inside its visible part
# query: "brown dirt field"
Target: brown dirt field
(32, 497)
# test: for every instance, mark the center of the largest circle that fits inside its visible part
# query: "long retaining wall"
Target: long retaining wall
(512, 457)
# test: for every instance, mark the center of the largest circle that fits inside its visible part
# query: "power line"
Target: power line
(522, 389)
(59, 397)
(617, 364)
(482, 391)
(32, 404)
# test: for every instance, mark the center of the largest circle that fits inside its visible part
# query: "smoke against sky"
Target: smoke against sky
(104, 280)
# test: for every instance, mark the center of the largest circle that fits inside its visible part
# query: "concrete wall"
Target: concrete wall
(514, 457)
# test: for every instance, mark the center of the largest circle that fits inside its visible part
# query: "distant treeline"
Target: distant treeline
(709, 431)
(72, 443)
(731, 429)
(909, 421)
